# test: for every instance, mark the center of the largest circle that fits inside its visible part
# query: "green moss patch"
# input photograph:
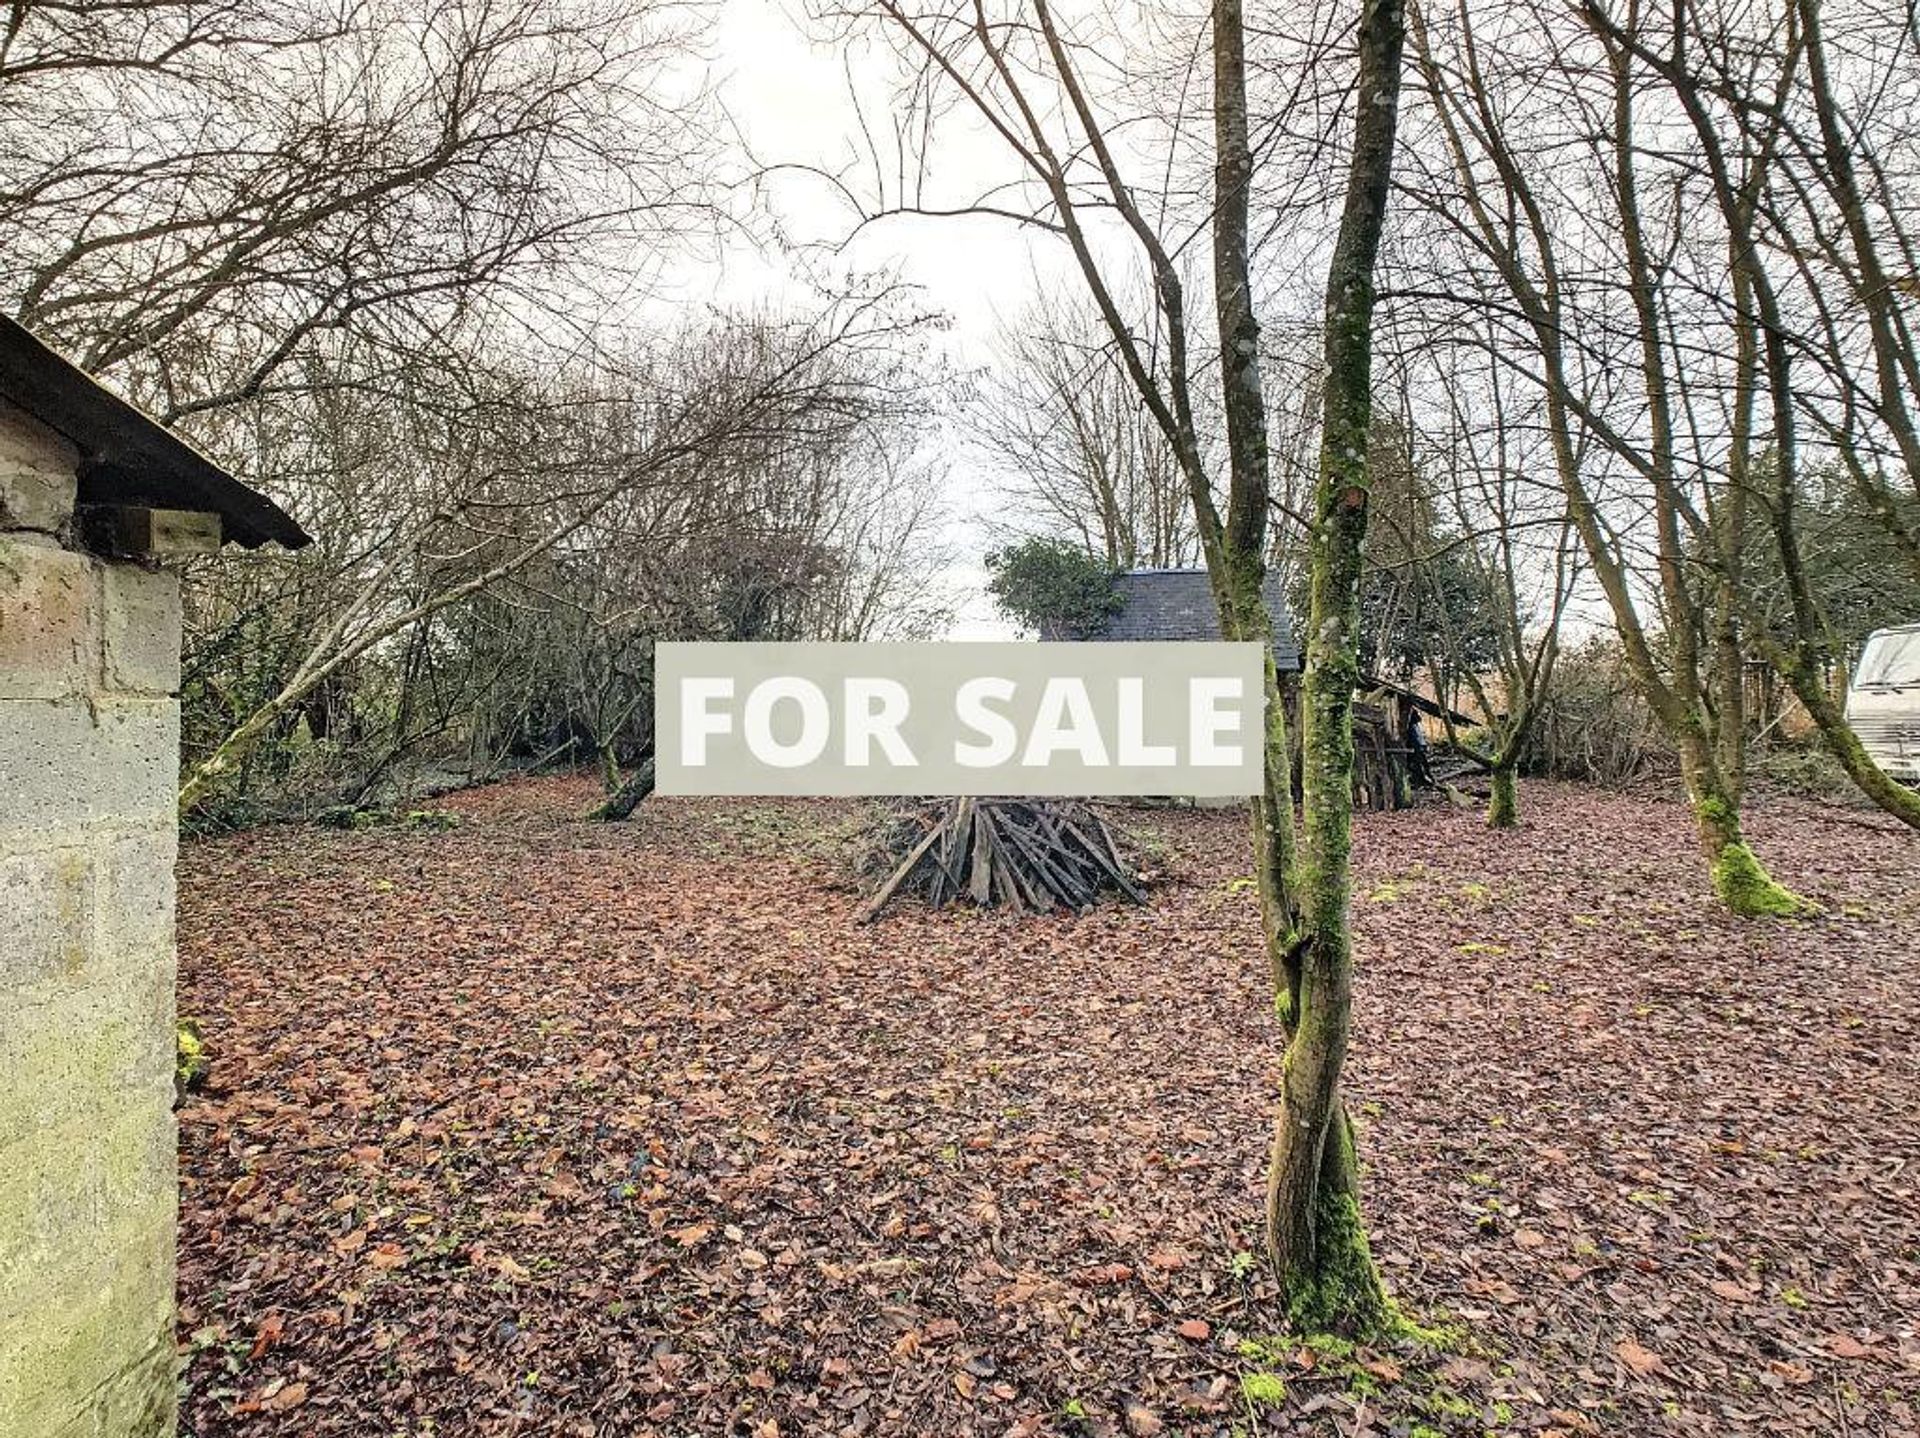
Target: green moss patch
(191, 1065)
(1404, 1376)
(1750, 892)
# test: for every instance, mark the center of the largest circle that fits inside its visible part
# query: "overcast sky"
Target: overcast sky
(793, 101)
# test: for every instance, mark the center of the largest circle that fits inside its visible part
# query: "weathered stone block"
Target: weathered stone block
(69, 1191)
(140, 617)
(47, 915)
(37, 474)
(139, 1400)
(72, 1048)
(68, 765)
(49, 644)
(89, 754)
(135, 889)
(93, 1356)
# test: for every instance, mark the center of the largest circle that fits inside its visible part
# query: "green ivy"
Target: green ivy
(1051, 587)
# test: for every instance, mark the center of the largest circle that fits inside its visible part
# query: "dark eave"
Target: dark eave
(125, 456)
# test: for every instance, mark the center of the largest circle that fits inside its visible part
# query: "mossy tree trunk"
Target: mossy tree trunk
(1236, 546)
(1503, 809)
(1882, 788)
(1318, 1246)
(1693, 695)
(1797, 659)
(1314, 1230)
(1528, 683)
(1743, 885)
(1764, 362)
(1711, 742)
(626, 796)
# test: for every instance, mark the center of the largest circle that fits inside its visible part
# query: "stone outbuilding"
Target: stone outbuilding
(1177, 604)
(92, 494)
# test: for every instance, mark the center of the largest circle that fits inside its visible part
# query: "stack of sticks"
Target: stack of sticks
(1027, 855)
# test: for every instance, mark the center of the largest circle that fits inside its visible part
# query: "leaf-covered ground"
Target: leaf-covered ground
(545, 1127)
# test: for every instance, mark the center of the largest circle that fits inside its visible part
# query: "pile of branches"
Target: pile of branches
(1027, 855)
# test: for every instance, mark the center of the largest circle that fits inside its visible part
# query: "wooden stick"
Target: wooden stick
(907, 866)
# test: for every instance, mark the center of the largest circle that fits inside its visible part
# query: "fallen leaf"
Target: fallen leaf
(266, 1335)
(1574, 1420)
(506, 1267)
(1641, 1360)
(657, 1032)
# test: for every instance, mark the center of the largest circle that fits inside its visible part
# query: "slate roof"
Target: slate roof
(1178, 604)
(126, 457)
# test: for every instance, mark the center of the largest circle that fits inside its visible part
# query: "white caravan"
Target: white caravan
(1883, 700)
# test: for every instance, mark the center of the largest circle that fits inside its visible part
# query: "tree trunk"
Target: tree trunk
(229, 752)
(624, 800)
(1314, 1231)
(1743, 885)
(1794, 662)
(1873, 781)
(1236, 559)
(1503, 807)
(1270, 817)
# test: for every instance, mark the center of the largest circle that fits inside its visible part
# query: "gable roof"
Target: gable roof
(126, 457)
(1178, 604)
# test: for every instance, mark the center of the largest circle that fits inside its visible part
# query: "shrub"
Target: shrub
(348, 816)
(1808, 770)
(1052, 588)
(1595, 726)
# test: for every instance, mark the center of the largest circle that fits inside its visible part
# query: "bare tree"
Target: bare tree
(193, 191)
(1663, 217)
(1512, 533)
(1313, 1183)
(1741, 94)
(1025, 74)
(386, 260)
(1848, 129)
(1564, 239)
(536, 471)
(1081, 455)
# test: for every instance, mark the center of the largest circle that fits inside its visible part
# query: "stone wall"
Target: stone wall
(89, 744)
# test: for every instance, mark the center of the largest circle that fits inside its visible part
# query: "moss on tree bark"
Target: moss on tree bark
(1315, 1233)
(1503, 809)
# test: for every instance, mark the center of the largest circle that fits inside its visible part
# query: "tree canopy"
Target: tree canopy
(1053, 587)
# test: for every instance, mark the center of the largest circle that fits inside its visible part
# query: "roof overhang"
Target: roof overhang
(127, 457)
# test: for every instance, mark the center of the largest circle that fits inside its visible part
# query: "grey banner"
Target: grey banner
(950, 718)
